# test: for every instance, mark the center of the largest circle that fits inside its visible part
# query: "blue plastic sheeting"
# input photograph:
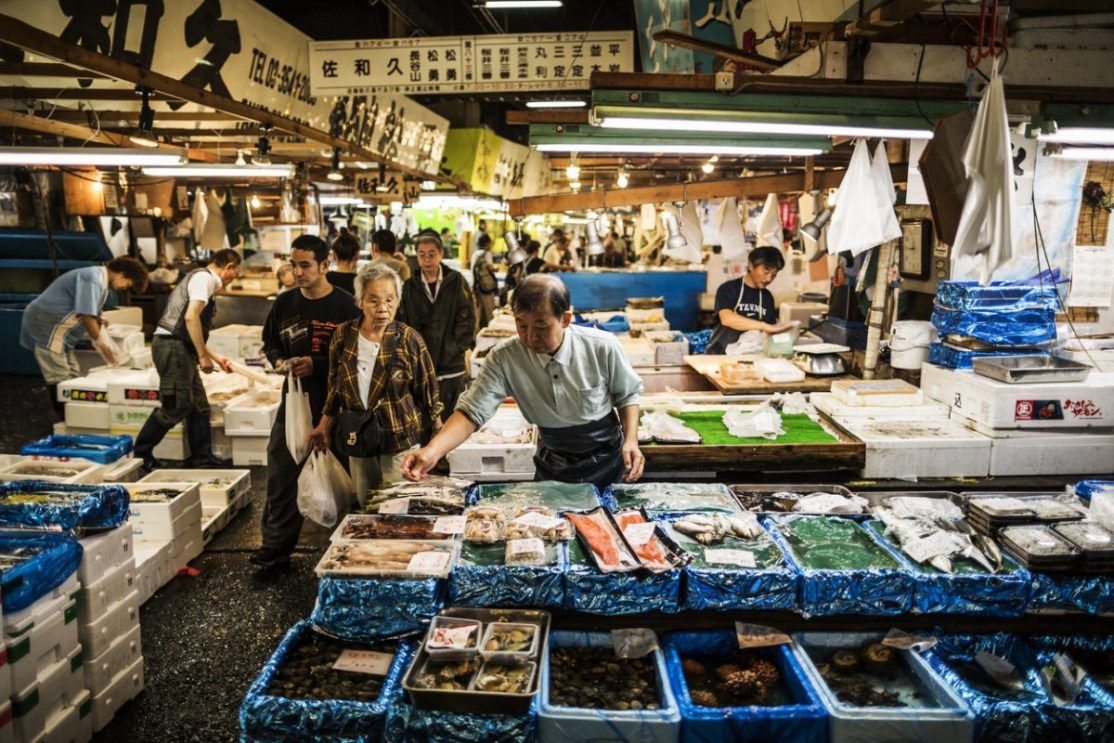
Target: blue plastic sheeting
(560, 496)
(608, 290)
(997, 718)
(1002, 594)
(1093, 594)
(616, 324)
(698, 342)
(408, 724)
(883, 591)
(804, 720)
(536, 586)
(98, 506)
(1087, 488)
(95, 448)
(264, 716)
(1003, 328)
(951, 357)
(376, 608)
(998, 296)
(55, 558)
(591, 591)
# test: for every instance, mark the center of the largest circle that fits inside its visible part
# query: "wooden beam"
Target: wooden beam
(687, 41)
(548, 116)
(43, 125)
(885, 17)
(25, 36)
(160, 116)
(44, 69)
(737, 187)
(19, 92)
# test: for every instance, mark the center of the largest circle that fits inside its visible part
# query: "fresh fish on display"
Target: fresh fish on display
(927, 534)
(711, 528)
(985, 551)
(830, 503)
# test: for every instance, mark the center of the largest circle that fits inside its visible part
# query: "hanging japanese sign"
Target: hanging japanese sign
(391, 186)
(468, 64)
(493, 165)
(239, 50)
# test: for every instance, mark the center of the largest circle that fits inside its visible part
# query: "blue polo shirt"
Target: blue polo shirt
(51, 320)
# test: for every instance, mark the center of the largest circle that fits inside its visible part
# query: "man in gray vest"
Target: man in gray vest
(179, 350)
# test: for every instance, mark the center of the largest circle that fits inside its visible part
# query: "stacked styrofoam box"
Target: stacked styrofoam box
(44, 674)
(87, 472)
(129, 419)
(908, 448)
(220, 501)
(108, 622)
(237, 341)
(177, 522)
(499, 462)
(639, 351)
(247, 422)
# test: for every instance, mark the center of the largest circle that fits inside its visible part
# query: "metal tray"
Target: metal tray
(741, 491)
(1022, 369)
(479, 701)
(879, 497)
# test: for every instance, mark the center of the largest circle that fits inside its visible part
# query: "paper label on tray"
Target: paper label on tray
(449, 525)
(742, 558)
(428, 562)
(903, 640)
(540, 521)
(925, 548)
(759, 636)
(364, 661)
(998, 668)
(635, 642)
(639, 534)
(395, 505)
(822, 503)
(528, 546)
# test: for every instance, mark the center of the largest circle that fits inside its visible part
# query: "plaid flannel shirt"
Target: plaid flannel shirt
(410, 398)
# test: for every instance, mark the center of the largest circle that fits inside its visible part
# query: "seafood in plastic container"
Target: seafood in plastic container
(528, 551)
(1037, 542)
(360, 526)
(560, 496)
(675, 496)
(1091, 537)
(510, 641)
(603, 540)
(649, 542)
(389, 557)
(537, 521)
(437, 496)
(446, 675)
(713, 528)
(450, 638)
(505, 678)
(485, 531)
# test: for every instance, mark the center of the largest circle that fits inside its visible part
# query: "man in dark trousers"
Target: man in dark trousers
(179, 352)
(296, 337)
(437, 303)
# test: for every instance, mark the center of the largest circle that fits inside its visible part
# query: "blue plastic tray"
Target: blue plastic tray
(66, 446)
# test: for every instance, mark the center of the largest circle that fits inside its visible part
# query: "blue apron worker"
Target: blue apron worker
(179, 352)
(567, 380)
(69, 311)
(745, 303)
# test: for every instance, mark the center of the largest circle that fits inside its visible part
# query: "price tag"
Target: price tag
(742, 558)
(536, 520)
(925, 548)
(759, 636)
(998, 668)
(395, 505)
(639, 534)
(903, 640)
(635, 642)
(364, 661)
(449, 525)
(428, 562)
(528, 546)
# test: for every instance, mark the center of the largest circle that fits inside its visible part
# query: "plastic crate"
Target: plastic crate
(805, 720)
(561, 724)
(112, 448)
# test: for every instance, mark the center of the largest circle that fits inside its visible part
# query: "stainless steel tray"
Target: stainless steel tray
(879, 497)
(1020, 369)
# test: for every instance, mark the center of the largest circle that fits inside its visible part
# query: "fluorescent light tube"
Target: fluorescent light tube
(106, 157)
(761, 127)
(1079, 135)
(510, 4)
(341, 201)
(556, 104)
(216, 170)
(1097, 154)
(676, 149)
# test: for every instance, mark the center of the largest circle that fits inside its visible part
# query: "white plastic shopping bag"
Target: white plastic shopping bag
(299, 420)
(324, 489)
(864, 212)
(763, 422)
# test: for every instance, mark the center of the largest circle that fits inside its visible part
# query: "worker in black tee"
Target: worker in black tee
(745, 303)
(296, 337)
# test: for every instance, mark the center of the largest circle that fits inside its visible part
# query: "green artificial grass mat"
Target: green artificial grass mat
(799, 429)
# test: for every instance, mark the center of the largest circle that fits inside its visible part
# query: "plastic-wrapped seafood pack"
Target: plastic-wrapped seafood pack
(388, 557)
(490, 524)
(436, 496)
(1094, 540)
(988, 512)
(34, 563)
(560, 496)
(806, 499)
(362, 526)
(669, 497)
(1039, 547)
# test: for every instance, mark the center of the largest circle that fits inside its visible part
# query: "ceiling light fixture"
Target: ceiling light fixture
(556, 104)
(341, 201)
(102, 156)
(144, 135)
(222, 170)
(574, 185)
(708, 167)
(521, 4)
(255, 203)
(334, 172)
(722, 126)
(1094, 154)
(572, 172)
(622, 180)
(635, 148)
(1078, 135)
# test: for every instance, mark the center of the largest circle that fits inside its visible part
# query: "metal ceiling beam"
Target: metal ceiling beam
(72, 116)
(723, 51)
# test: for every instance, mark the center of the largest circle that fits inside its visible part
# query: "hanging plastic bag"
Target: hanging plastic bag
(762, 423)
(299, 420)
(110, 350)
(732, 240)
(324, 489)
(664, 428)
(769, 224)
(750, 342)
(863, 216)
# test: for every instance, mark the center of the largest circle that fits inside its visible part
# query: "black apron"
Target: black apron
(589, 452)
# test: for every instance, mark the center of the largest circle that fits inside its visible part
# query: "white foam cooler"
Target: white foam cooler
(154, 567)
(186, 549)
(829, 404)
(102, 552)
(95, 599)
(57, 688)
(86, 472)
(122, 471)
(7, 727)
(129, 419)
(184, 526)
(907, 448)
(1087, 451)
(88, 415)
(253, 413)
(249, 451)
(134, 387)
(123, 688)
(17, 623)
(92, 388)
(105, 668)
(52, 638)
(72, 724)
(212, 494)
(213, 521)
(99, 634)
(159, 511)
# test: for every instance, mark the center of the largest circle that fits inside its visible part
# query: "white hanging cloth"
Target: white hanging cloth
(733, 243)
(864, 210)
(214, 236)
(769, 224)
(200, 214)
(984, 223)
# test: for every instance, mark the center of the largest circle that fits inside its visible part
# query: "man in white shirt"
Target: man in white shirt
(179, 350)
(568, 380)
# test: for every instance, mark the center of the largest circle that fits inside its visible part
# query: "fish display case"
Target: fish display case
(844, 568)
(728, 695)
(672, 497)
(1084, 705)
(560, 496)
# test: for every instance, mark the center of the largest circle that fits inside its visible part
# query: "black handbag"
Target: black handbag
(362, 433)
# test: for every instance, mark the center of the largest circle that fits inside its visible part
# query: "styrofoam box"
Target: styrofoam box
(213, 521)
(253, 413)
(5, 677)
(134, 387)
(124, 316)
(640, 352)
(72, 724)
(102, 552)
(1086, 404)
(827, 403)
(95, 600)
(905, 448)
(249, 451)
(90, 472)
(494, 458)
(102, 670)
(159, 512)
(525, 476)
(154, 567)
(122, 471)
(98, 635)
(18, 623)
(242, 501)
(876, 392)
(189, 551)
(220, 443)
(211, 495)
(88, 415)
(59, 687)
(1088, 451)
(124, 688)
(39, 649)
(7, 727)
(129, 419)
(237, 341)
(92, 388)
(185, 525)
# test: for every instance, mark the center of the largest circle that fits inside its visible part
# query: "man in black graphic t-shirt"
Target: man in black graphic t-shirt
(745, 303)
(297, 334)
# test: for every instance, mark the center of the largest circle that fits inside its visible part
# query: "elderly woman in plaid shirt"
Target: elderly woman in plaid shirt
(376, 360)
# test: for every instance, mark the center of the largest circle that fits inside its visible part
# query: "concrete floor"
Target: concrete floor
(205, 637)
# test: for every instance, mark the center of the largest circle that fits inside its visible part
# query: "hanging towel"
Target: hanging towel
(769, 224)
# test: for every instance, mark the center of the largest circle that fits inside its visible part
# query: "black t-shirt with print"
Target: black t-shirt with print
(735, 295)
